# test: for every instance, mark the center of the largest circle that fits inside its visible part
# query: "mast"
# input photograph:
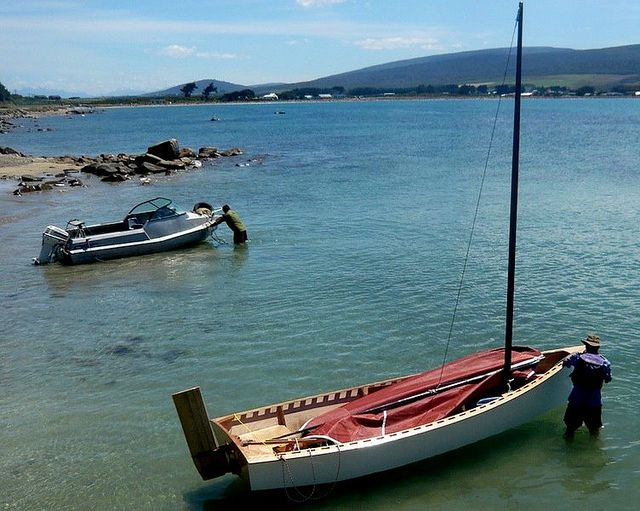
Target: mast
(513, 222)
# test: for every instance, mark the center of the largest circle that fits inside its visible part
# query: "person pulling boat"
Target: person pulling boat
(590, 372)
(233, 221)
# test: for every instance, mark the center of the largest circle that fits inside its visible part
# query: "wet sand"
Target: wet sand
(16, 166)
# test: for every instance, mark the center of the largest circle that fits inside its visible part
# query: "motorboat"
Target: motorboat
(155, 225)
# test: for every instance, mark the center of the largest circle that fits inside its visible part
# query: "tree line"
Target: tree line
(5, 95)
(208, 93)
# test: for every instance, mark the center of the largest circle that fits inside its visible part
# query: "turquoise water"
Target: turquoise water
(358, 217)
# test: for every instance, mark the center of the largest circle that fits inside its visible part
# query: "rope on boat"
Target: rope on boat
(236, 417)
(477, 209)
(217, 238)
(300, 497)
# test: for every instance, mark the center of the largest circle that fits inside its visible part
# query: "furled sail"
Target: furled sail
(422, 398)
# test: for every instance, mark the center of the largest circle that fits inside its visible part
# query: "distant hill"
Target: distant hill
(541, 65)
(606, 68)
(223, 88)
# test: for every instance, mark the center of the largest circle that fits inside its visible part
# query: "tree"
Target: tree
(587, 89)
(240, 95)
(188, 89)
(209, 89)
(466, 90)
(5, 95)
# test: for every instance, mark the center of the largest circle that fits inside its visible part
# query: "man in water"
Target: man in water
(232, 219)
(590, 371)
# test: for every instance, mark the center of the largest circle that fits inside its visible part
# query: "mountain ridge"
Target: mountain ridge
(605, 67)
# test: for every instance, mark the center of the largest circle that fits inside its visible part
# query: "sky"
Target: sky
(106, 47)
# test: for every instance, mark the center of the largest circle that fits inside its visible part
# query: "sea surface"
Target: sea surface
(359, 216)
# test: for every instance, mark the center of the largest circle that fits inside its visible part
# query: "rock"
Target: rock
(25, 188)
(9, 150)
(187, 152)
(104, 169)
(235, 151)
(208, 152)
(150, 158)
(150, 168)
(172, 165)
(115, 178)
(167, 150)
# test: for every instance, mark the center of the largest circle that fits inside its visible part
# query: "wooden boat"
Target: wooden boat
(155, 225)
(365, 429)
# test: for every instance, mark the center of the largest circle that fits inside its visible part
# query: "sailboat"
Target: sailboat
(366, 429)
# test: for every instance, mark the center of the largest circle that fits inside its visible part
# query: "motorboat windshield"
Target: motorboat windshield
(155, 209)
(150, 206)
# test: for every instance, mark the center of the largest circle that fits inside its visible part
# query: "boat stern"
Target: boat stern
(53, 238)
(211, 457)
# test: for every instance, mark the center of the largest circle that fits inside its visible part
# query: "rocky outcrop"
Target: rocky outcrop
(163, 158)
(167, 150)
(40, 184)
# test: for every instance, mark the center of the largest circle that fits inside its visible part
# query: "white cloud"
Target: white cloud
(181, 52)
(318, 3)
(177, 51)
(395, 43)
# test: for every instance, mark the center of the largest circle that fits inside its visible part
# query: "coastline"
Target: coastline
(14, 166)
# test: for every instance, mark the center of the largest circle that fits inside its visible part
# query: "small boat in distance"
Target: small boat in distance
(366, 429)
(155, 225)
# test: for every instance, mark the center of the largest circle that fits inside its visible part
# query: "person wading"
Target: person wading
(590, 371)
(232, 219)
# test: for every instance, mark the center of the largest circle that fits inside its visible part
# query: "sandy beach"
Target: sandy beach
(16, 166)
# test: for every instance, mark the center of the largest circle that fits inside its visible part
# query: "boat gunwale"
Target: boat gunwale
(389, 437)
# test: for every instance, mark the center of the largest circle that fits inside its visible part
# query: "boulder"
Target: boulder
(167, 150)
(9, 150)
(117, 177)
(208, 152)
(103, 169)
(187, 152)
(234, 151)
(149, 168)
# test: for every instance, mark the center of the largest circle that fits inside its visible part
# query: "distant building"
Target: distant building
(325, 96)
(271, 96)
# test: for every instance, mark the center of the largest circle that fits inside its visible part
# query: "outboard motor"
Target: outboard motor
(52, 238)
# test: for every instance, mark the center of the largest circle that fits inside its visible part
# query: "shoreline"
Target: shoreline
(43, 173)
(13, 166)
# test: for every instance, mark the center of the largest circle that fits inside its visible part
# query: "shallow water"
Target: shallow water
(358, 217)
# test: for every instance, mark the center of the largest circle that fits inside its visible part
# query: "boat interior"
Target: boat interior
(281, 427)
(78, 229)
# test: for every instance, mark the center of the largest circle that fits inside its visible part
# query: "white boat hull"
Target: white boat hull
(89, 253)
(272, 447)
(360, 458)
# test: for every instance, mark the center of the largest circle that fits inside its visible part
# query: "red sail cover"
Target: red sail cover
(380, 412)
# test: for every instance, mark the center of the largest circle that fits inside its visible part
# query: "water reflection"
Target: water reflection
(585, 460)
(154, 270)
